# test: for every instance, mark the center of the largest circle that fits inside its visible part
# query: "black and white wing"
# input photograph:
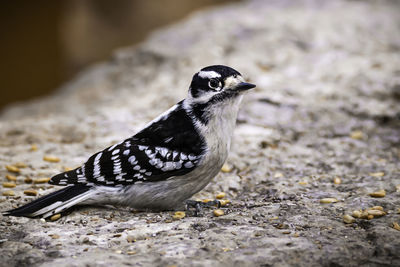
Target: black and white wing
(169, 146)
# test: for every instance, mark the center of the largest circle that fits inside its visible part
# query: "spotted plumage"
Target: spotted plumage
(169, 160)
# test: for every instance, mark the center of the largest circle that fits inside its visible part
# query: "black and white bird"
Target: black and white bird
(169, 160)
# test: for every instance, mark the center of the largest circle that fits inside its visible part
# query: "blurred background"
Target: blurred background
(44, 43)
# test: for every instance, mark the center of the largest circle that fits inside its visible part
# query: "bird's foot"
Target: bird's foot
(199, 205)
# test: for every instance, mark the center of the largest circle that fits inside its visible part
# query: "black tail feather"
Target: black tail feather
(61, 196)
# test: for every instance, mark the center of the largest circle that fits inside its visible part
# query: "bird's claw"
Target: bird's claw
(199, 205)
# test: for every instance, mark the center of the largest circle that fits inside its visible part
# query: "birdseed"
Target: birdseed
(11, 177)
(179, 215)
(55, 217)
(380, 193)
(41, 180)
(30, 192)
(9, 185)
(51, 159)
(220, 195)
(218, 212)
(348, 219)
(8, 193)
(12, 168)
(328, 200)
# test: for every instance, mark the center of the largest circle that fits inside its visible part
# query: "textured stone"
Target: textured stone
(324, 70)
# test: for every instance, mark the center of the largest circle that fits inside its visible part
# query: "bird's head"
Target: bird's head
(217, 83)
(215, 88)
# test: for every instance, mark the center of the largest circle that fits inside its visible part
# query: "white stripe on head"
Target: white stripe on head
(209, 74)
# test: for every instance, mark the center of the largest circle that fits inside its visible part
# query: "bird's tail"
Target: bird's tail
(53, 203)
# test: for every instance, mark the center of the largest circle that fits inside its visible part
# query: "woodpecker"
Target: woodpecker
(164, 164)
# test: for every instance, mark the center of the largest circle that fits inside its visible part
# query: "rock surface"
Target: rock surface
(327, 105)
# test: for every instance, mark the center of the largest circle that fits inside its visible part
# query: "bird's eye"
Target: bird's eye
(214, 84)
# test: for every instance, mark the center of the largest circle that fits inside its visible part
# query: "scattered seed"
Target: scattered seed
(370, 217)
(357, 135)
(376, 208)
(376, 213)
(8, 193)
(220, 195)
(206, 200)
(28, 180)
(12, 168)
(337, 180)
(30, 192)
(20, 165)
(278, 175)
(328, 200)
(51, 159)
(398, 188)
(348, 219)
(296, 235)
(9, 185)
(55, 217)
(396, 226)
(54, 236)
(398, 210)
(118, 251)
(66, 169)
(357, 213)
(226, 249)
(131, 252)
(41, 180)
(364, 214)
(10, 177)
(226, 168)
(179, 215)
(377, 174)
(218, 212)
(224, 202)
(34, 147)
(380, 193)
(303, 183)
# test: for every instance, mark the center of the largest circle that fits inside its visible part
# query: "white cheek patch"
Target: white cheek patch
(232, 82)
(209, 74)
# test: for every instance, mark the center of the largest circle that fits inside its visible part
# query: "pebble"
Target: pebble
(328, 200)
(218, 212)
(380, 193)
(55, 217)
(396, 226)
(51, 159)
(179, 215)
(220, 195)
(348, 219)
(11, 177)
(12, 168)
(226, 168)
(8, 193)
(9, 185)
(41, 180)
(278, 175)
(30, 192)
(337, 180)
(377, 174)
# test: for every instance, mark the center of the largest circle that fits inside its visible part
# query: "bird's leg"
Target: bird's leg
(199, 205)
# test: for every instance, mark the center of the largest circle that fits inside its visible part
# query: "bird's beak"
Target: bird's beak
(244, 86)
